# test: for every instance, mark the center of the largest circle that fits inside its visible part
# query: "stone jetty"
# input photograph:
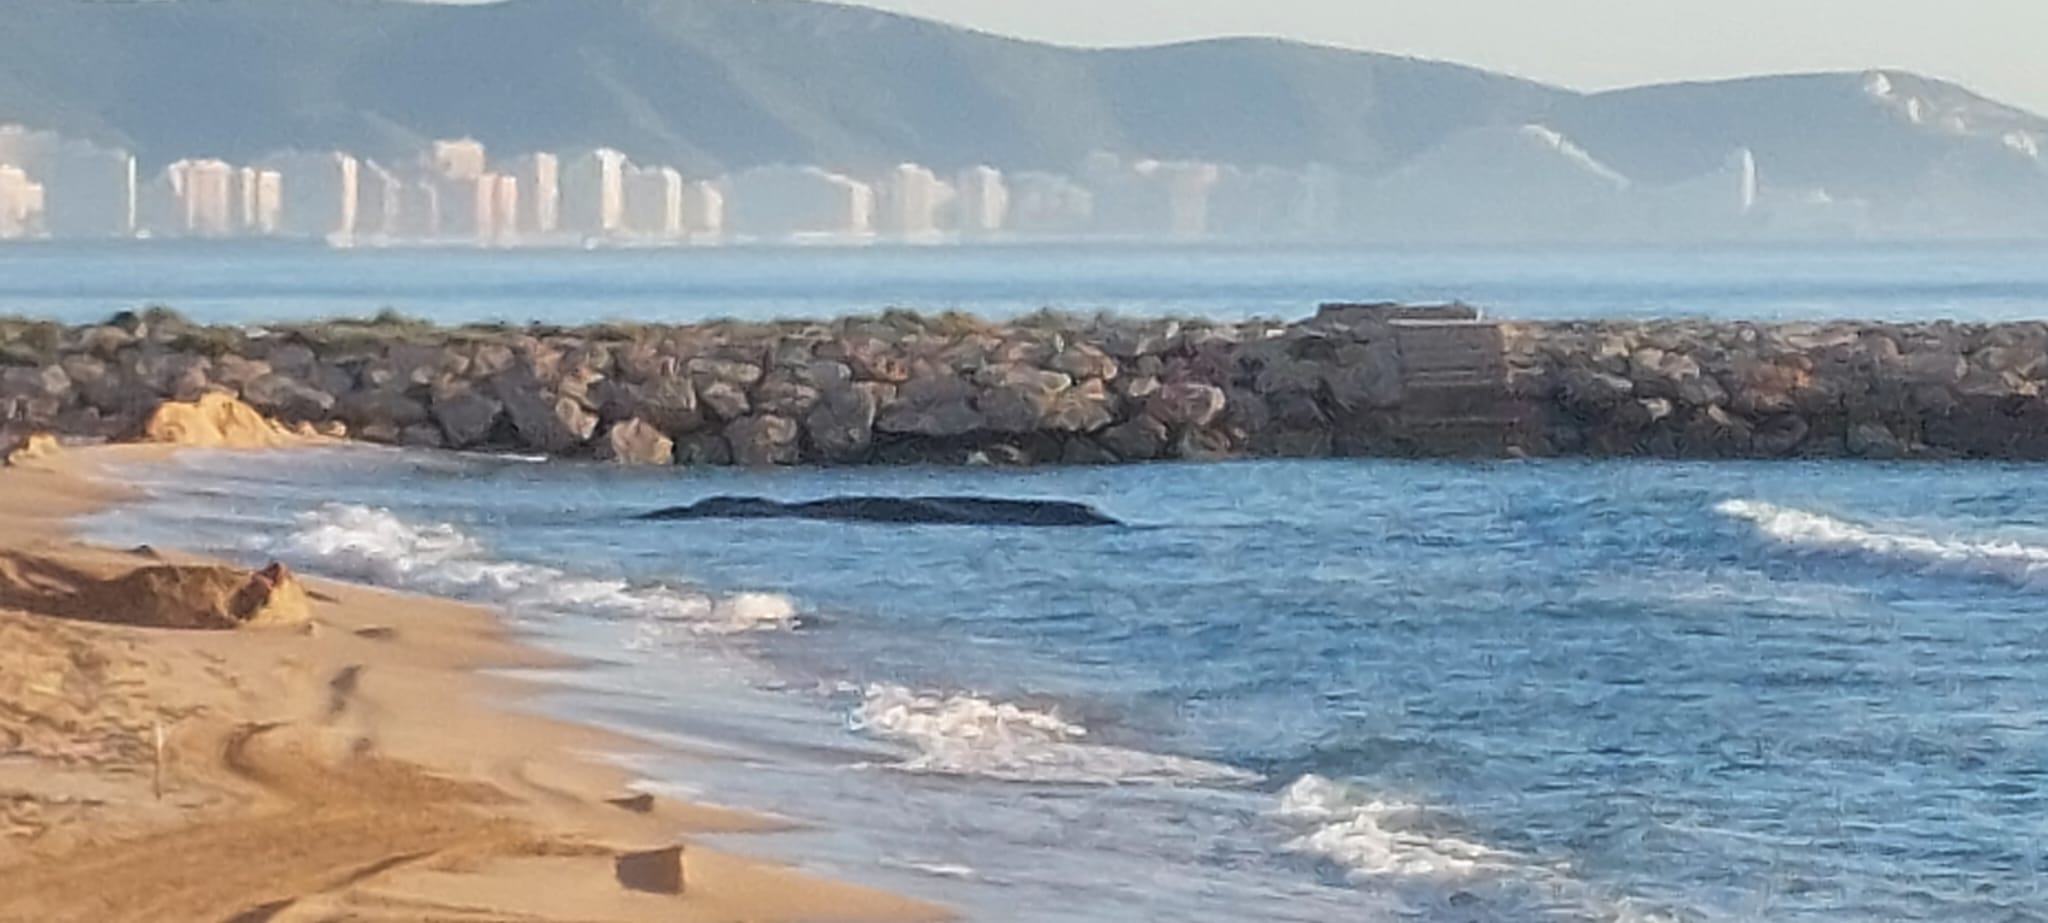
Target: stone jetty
(902, 388)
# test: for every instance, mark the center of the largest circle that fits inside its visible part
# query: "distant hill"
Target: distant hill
(724, 84)
(705, 83)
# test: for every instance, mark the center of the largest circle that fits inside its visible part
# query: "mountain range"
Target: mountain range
(711, 85)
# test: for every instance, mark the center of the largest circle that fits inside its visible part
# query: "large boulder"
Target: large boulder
(287, 398)
(1589, 388)
(466, 416)
(44, 381)
(547, 422)
(1082, 408)
(936, 405)
(871, 358)
(1139, 439)
(744, 374)
(727, 400)
(385, 406)
(236, 372)
(408, 365)
(177, 376)
(762, 440)
(637, 442)
(785, 397)
(1186, 404)
(842, 423)
(422, 436)
(703, 448)
(1876, 441)
(1019, 397)
(1081, 361)
(667, 402)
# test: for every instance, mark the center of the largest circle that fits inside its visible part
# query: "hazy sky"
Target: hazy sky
(1993, 46)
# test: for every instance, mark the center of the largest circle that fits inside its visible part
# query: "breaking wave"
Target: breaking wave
(968, 736)
(374, 546)
(1373, 838)
(1418, 857)
(2013, 561)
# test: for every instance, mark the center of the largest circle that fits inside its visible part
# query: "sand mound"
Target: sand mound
(37, 447)
(215, 420)
(210, 596)
(185, 596)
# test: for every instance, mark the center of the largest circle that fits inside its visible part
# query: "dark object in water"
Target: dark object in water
(945, 511)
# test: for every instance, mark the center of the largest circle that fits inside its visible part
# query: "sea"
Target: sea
(1342, 690)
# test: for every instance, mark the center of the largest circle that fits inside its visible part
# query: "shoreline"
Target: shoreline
(301, 778)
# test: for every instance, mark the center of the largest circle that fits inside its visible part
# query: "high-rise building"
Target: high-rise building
(195, 198)
(379, 202)
(460, 159)
(593, 186)
(983, 201)
(539, 177)
(1048, 203)
(654, 202)
(21, 204)
(254, 202)
(799, 201)
(704, 209)
(505, 210)
(910, 198)
(322, 194)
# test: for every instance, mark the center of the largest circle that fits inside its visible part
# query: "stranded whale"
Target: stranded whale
(948, 511)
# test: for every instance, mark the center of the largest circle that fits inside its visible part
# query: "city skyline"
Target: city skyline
(1508, 183)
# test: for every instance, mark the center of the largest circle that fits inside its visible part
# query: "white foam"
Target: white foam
(1387, 844)
(935, 869)
(2020, 563)
(1374, 838)
(970, 736)
(374, 546)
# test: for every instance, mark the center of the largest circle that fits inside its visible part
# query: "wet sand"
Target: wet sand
(359, 766)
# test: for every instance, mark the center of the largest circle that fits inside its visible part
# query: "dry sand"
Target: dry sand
(356, 766)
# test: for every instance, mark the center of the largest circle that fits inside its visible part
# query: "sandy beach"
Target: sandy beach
(356, 765)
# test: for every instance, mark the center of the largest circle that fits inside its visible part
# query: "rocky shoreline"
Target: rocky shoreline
(901, 388)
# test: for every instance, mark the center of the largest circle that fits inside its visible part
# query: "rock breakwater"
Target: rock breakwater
(1353, 380)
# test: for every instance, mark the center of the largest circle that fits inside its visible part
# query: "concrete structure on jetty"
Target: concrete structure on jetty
(1354, 380)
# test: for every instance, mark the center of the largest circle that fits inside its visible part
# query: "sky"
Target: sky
(1992, 46)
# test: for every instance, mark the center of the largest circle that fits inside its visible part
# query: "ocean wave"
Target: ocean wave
(1373, 838)
(1417, 856)
(970, 736)
(2013, 561)
(376, 547)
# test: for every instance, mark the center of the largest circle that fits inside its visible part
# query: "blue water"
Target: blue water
(262, 284)
(1325, 691)
(1310, 691)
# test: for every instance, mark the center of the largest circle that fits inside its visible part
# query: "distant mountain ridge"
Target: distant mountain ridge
(713, 85)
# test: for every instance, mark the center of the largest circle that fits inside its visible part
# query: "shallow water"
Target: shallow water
(1288, 691)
